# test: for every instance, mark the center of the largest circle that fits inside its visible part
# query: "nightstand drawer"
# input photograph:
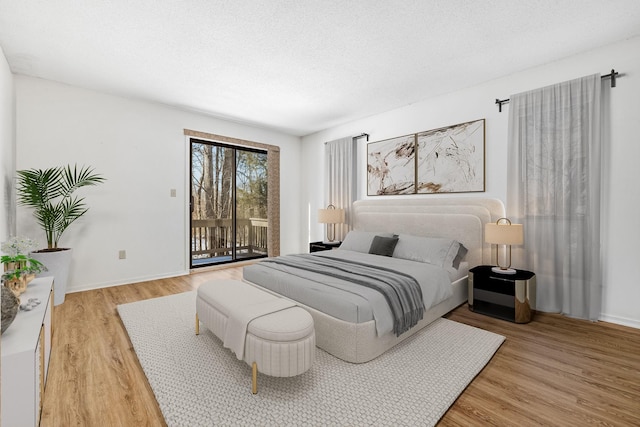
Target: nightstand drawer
(496, 285)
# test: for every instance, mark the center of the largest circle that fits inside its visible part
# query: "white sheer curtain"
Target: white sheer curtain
(340, 178)
(554, 180)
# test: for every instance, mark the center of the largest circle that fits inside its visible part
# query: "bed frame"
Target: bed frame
(460, 218)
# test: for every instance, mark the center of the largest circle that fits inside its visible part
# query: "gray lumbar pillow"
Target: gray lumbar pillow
(360, 241)
(432, 250)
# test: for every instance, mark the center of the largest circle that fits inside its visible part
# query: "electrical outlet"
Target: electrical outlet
(122, 254)
(173, 192)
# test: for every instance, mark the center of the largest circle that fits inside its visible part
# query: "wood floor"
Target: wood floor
(553, 371)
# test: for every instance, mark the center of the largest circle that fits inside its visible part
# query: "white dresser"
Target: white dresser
(26, 346)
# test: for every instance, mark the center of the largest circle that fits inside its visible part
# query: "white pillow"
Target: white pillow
(360, 241)
(432, 250)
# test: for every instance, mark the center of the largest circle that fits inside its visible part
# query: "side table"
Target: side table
(323, 246)
(510, 297)
(26, 348)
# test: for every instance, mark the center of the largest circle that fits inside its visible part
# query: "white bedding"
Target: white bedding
(332, 295)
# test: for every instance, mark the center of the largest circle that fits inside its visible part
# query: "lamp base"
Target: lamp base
(500, 270)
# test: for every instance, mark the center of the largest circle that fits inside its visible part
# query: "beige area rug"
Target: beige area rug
(197, 382)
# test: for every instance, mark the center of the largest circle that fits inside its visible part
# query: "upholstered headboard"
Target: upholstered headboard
(460, 218)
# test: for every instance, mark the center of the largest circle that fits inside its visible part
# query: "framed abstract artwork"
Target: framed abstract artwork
(451, 159)
(445, 160)
(391, 166)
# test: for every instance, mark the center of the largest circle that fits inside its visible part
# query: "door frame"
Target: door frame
(233, 214)
(273, 179)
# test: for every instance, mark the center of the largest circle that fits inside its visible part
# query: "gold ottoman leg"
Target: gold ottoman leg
(254, 378)
(197, 324)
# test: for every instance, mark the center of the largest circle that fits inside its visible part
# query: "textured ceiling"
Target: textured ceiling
(298, 66)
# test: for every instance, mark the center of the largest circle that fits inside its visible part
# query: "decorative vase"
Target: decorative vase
(58, 264)
(10, 306)
(17, 286)
(22, 286)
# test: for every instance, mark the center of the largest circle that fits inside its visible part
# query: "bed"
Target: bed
(355, 336)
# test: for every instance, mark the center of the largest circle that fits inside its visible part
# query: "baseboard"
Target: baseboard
(126, 281)
(633, 323)
(158, 276)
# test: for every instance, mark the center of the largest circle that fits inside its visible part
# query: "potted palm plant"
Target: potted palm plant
(50, 192)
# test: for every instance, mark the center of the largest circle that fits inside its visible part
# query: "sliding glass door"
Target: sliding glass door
(228, 203)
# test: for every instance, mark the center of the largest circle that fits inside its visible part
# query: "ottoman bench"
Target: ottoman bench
(267, 332)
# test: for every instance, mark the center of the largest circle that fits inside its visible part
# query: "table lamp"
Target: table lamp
(503, 232)
(331, 216)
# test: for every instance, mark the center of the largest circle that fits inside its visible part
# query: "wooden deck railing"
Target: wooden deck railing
(214, 237)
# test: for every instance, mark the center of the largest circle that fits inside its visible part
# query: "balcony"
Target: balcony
(212, 240)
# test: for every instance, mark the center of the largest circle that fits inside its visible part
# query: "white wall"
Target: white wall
(7, 150)
(621, 230)
(141, 150)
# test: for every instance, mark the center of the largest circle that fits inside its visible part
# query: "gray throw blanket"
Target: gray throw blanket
(401, 290)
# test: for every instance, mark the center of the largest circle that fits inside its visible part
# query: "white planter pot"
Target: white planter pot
(58, 264)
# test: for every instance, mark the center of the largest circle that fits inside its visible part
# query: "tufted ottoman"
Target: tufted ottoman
(267, 332)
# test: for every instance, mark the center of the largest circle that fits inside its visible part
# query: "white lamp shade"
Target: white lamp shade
(331, 216)
(504, 234)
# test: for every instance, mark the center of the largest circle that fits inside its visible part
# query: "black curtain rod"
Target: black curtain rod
(613, 75)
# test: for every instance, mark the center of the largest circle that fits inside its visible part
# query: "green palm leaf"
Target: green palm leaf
(49, 192)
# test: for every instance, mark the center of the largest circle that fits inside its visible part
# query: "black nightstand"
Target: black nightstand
(505, 296)
(323, 246)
